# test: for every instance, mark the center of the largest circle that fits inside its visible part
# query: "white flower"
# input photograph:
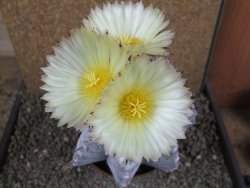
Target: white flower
(145, 113)
(78, 74)
(139, 29)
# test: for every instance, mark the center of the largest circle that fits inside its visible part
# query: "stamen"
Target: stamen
(138, 108)
(93, 82)
(128, 40)
(136, 105)
(92, 79)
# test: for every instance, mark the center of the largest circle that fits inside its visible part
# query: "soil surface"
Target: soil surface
(39, 149)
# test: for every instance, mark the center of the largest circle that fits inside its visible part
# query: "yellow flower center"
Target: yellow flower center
(136, 106)
(94, 82)
(128, 40)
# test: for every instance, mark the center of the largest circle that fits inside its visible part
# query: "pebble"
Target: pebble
(187, 164)
(28, 164)
(45, 152)
(78, 169)
(214, 157)
(66, 139)
(198, 157)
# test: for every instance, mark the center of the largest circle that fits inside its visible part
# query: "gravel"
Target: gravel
(39, 149)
